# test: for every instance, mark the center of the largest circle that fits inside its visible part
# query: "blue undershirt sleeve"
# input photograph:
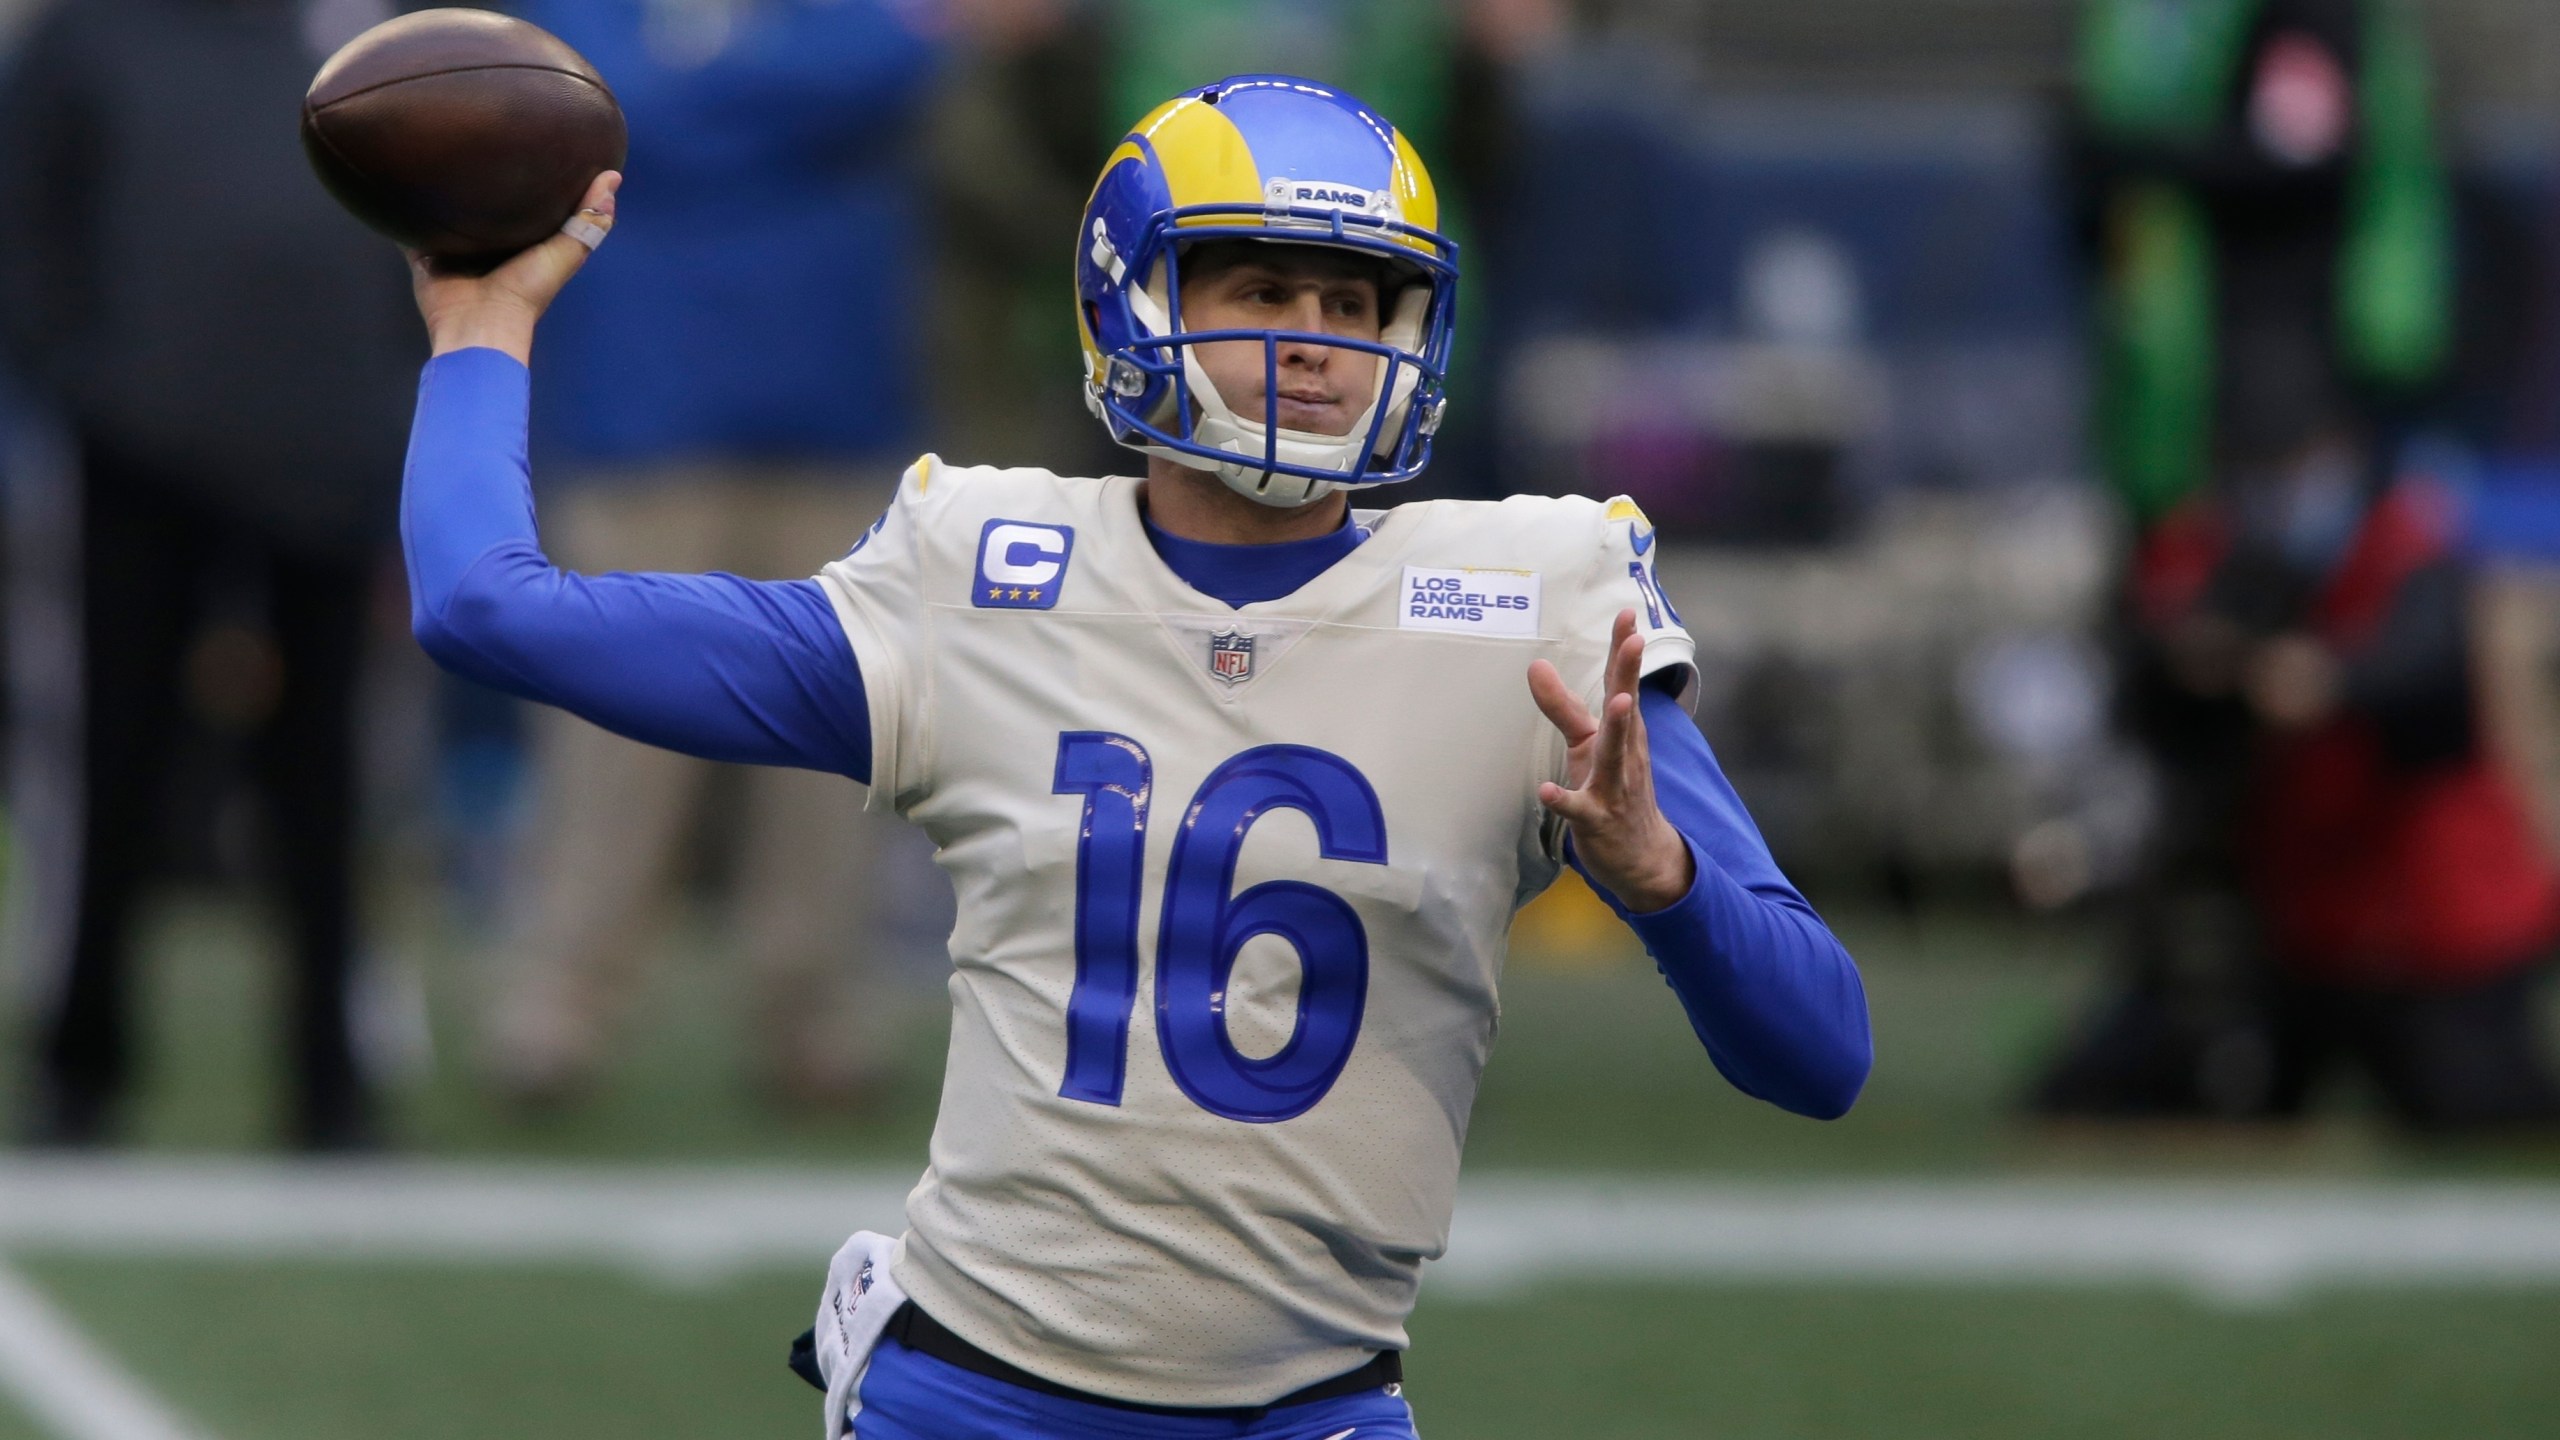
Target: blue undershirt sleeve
(753, 671)
(1774, 996)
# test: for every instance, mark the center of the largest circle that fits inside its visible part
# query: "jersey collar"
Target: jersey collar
(1240, 575)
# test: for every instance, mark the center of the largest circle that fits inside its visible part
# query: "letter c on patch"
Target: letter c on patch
(1024, 554)
(1021, 565)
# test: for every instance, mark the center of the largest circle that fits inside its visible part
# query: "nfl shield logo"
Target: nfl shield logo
(1231, 657)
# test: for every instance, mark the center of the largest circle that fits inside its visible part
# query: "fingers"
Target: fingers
(1638, 770)
(1617, 729)
(1609, 784)
(1626, 654)
(594, 219)
(1609, 756)
(1561, 706)
(1577, 808)
(1617, 704)
(542, 270)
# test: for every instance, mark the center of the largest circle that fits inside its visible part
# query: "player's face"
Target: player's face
(1324, 389)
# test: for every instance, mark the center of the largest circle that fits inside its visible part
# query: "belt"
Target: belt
(927, 1336)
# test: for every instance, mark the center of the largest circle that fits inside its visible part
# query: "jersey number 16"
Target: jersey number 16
(1204, 926)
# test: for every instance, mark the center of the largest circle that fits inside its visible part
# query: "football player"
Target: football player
(1239, 787)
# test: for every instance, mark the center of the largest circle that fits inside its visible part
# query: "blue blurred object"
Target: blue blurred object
(757, 297)
(1639, 209)
(2512, 510)
(1754, 313)
(480, 792)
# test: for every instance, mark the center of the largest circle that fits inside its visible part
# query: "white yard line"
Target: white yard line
(67, 1385)
(2237, 1241)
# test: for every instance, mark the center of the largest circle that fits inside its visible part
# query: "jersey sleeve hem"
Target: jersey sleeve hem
(1673, 651)
(884, 682)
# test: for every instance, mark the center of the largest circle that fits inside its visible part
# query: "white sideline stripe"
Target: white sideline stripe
(2236, 1240)
(2241, 1242)
(67, 1385)
(683, 1221)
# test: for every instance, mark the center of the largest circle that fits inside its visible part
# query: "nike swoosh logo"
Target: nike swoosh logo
(1342, 1435)
(1642, 543)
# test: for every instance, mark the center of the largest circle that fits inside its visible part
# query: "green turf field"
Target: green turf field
(317, 1352)
(1595, 1068)
(1595, 1071)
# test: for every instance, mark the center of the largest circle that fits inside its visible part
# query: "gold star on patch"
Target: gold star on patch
(1013, 595)
(1035, 594)
(995, 592)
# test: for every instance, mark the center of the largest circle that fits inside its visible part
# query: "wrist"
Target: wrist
(1662, 883)
(494, 326)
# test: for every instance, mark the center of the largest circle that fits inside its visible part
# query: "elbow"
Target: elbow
(1853, 1049)
(1817, 1079)
(453, 654)
(1836, 1070)
(1852, 1060)
(1836, 1092)
(427, 627)
(463, 635)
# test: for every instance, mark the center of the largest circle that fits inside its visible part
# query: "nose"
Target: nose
(1305, 315)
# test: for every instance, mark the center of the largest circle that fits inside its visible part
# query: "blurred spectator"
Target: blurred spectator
(2343, 872)
(2276, 231)
(163, 254)
(1018, 129)
(731, 386)
(2387, 859)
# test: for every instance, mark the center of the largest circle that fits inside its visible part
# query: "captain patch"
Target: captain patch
(1471, 602)
(1021, 565)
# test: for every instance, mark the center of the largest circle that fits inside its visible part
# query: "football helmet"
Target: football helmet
(1278, 159)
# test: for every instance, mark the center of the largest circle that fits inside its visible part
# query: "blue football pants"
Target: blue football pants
(908, 1396)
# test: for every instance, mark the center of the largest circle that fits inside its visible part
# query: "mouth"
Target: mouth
(1298, 406)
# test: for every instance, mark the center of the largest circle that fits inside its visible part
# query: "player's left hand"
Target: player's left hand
(1622, 836)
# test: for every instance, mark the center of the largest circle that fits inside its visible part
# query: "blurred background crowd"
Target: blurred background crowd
(2108, 452)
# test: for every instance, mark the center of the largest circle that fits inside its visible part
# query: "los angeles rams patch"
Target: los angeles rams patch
(1471, 602)
(1021, 566)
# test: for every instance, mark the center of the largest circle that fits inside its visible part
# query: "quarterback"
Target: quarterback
(1239, 787)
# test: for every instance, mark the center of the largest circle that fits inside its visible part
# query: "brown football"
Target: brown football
(461, 133)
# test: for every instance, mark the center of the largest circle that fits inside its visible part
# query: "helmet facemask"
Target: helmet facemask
(1255, 455)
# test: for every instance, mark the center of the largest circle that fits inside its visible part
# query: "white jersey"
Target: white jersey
(1234, 890)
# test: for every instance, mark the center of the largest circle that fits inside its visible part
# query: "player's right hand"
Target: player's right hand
(1626, 844)
(500, 309)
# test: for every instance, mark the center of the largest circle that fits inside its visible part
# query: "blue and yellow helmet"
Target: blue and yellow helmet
(1280, 159)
